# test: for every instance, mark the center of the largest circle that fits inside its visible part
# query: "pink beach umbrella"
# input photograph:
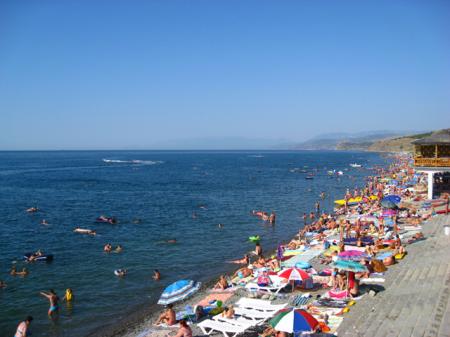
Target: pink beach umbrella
(351, 255)
(294, 274)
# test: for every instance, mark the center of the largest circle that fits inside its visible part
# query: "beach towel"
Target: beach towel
(338, 294)
(215, 297)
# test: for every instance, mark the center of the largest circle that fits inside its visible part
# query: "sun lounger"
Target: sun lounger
(278, 283)
(254, 303)
(241, 321)
(254, 314)
(228, 330)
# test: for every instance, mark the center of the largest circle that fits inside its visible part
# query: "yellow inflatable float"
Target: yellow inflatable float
(353, 201)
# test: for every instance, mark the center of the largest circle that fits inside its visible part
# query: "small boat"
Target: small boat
(45, 257)
(309, 177)
(355, 165)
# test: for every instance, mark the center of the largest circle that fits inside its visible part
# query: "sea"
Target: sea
(156, 196)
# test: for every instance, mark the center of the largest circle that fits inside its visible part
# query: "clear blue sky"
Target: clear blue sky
(123, 74)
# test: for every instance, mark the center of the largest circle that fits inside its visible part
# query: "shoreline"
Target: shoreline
(139, 319)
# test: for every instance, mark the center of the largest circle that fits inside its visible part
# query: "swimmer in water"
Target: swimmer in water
(53, 300)
(120, 272)
(23, 328)
(156, 275)
(2, 284)
(118, 249)
(220, 225)
(171, 241)
(68, 297)
(32, 209)
(44, 222)
(14, 272)
(107, 248)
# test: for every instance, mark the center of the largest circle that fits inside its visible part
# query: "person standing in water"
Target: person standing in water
(258, 249)
(53, 299)
(156, 275)
(23, 329)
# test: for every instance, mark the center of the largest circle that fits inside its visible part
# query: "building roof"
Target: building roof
(438, 137)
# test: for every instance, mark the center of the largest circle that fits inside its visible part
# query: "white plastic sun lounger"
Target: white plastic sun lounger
(240, 321)
(228, 330)
(254, 303)
(253, 314)
(277, 284)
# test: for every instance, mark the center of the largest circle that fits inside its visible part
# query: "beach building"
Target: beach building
(432, 156)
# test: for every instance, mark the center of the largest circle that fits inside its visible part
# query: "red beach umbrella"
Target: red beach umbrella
(294, 274)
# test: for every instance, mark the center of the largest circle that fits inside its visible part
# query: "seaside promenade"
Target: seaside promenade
(416, 299)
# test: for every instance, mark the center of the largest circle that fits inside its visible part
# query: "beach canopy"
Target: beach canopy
(392, 198)
(352, 255)
(294, 274)
(294, 321)
(353, 266)
(178, 291)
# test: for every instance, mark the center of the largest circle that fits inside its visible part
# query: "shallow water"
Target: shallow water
(162, 190)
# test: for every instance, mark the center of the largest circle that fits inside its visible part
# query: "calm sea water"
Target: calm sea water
(162, 189)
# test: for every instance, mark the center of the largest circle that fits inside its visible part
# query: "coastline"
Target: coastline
(139, 320)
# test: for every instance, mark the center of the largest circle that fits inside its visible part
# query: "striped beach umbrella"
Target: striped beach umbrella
(294, 321)
(178, 291)
(294, 274)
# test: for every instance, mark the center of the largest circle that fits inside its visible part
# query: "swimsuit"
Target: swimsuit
(53, 308)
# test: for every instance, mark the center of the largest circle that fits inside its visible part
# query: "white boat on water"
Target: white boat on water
(355, 165)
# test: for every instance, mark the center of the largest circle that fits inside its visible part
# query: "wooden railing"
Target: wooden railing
(431, 162)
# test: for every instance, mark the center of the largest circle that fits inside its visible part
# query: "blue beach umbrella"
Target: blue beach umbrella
(178, 291)
(392, 198)
(349, 266)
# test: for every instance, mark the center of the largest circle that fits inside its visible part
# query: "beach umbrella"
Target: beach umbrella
(353, 266)
(294, 274)
(388, 204)
(352, 255)
(294, 321)
(178, 291)
(393, 198)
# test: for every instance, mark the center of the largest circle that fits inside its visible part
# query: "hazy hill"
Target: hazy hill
(346, 141)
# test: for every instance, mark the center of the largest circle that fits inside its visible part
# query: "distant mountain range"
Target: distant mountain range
(336, 141)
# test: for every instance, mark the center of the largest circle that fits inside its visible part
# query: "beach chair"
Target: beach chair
(228, 330)
(254, 314)
(258, 304)
(241, 321)
(278, 283)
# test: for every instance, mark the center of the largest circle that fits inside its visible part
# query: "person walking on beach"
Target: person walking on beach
(53, 299)
(318, 207)
(304, 218)
(23, 329)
